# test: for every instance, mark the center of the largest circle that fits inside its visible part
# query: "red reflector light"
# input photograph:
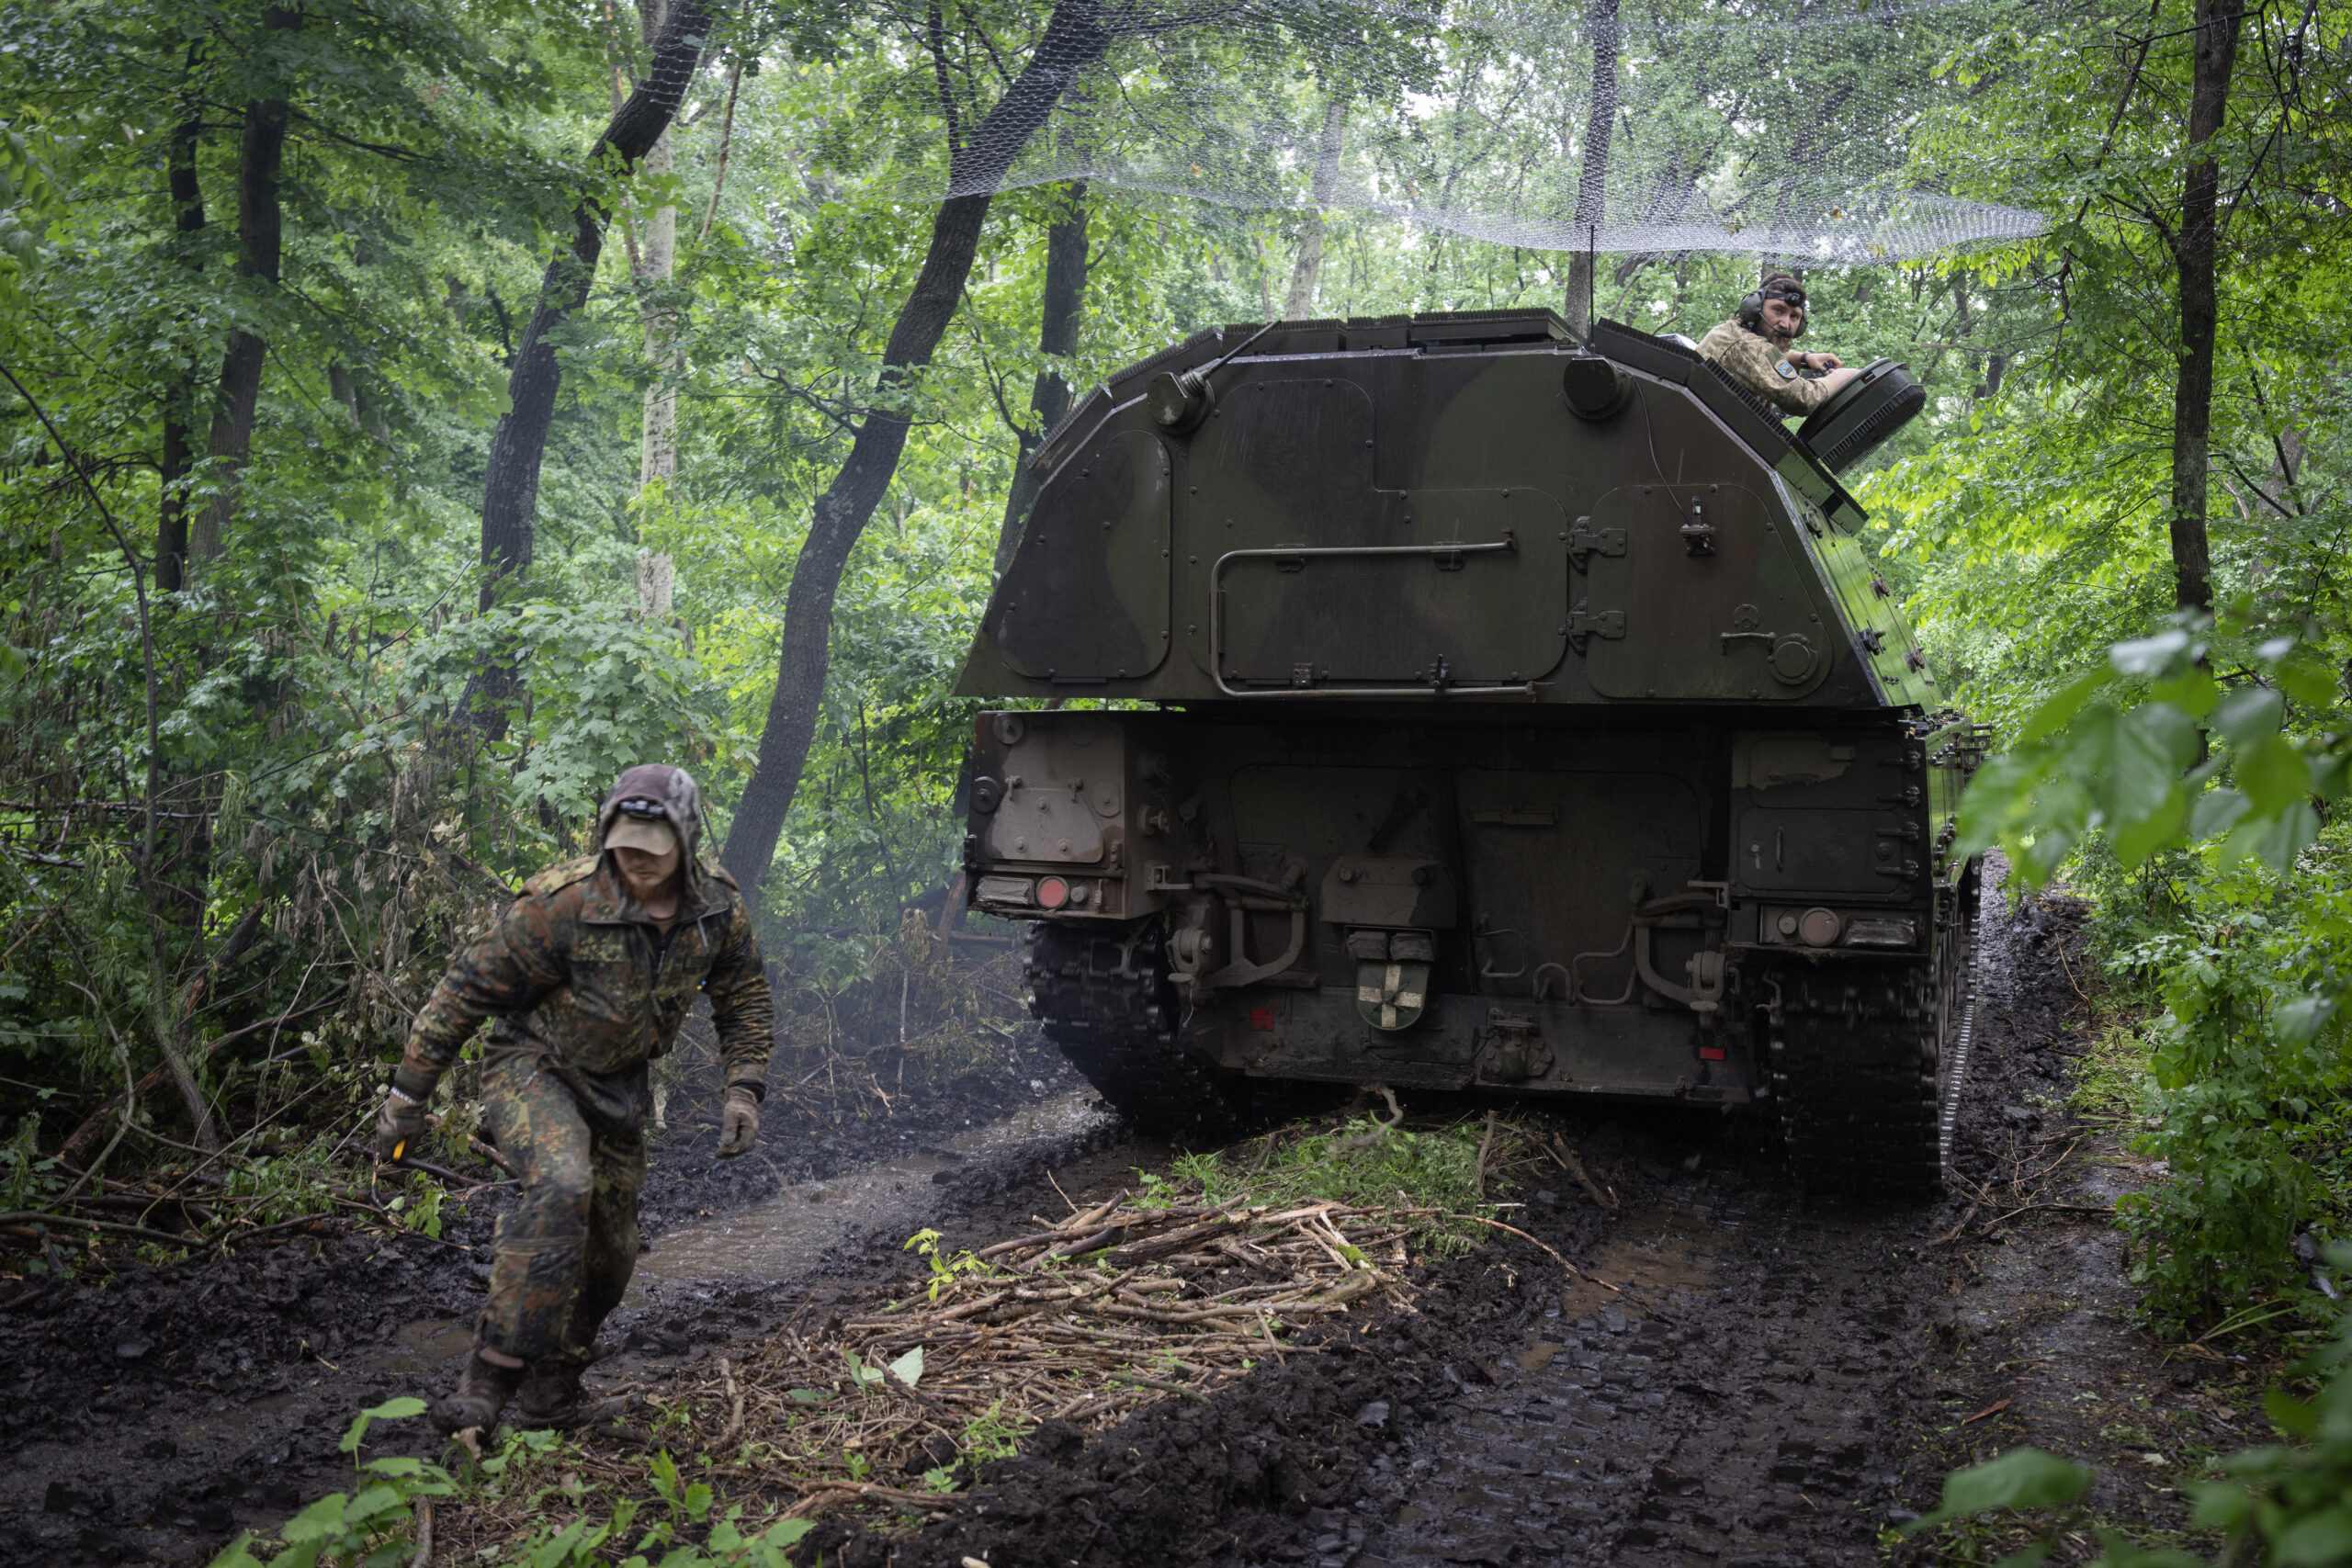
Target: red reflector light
(1711, 1053)
(1261, 1018)
(1053, 893)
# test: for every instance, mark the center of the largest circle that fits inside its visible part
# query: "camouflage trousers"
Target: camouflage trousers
(566, 1250)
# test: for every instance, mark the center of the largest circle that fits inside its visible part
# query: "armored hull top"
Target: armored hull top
(1435, 511)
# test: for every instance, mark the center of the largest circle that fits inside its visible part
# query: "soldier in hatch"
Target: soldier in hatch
(589, 974)
(1755, 346)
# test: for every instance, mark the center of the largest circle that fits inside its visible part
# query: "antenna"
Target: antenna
(1591, 277)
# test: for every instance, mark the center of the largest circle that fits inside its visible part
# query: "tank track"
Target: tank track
(1104, 999)
(1863, 1064)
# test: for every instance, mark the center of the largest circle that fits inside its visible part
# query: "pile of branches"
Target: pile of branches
(1121, 1305)
(230, 1200)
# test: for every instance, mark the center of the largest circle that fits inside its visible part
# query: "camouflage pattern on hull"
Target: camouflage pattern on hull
(1529, 717)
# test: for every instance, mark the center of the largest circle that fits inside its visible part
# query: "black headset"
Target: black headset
(1751, 308)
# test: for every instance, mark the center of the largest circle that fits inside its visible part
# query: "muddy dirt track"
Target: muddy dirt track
(1736, 1377)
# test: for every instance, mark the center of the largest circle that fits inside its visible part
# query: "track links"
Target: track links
(1104, 999)
(1854, 1064)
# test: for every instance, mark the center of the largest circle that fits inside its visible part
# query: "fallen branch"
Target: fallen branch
(1562, 1262)
(110, 1227)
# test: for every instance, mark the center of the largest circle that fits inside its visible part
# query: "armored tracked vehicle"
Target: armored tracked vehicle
(1470, 706)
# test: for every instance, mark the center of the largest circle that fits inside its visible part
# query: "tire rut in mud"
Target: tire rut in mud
(1753, 1394)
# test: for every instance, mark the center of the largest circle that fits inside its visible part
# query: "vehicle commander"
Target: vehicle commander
(589, 974)
(1755, 347)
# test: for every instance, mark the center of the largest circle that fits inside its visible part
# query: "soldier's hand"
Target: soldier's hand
(739, 1123)
(398, 1126)
(1824, 362)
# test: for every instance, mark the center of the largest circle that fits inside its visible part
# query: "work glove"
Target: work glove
(739, 1123)
(400, 1125)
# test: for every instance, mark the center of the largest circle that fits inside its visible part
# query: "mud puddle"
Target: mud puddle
(776, 1237)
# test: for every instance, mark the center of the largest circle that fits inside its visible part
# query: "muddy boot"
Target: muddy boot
(482, 1392)
(552, 1397)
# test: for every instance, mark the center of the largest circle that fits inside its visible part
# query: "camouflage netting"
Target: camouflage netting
(1784, 127)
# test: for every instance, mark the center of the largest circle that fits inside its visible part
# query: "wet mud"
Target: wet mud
(1734, 1376)
(1730, 1375)
(156, 1413)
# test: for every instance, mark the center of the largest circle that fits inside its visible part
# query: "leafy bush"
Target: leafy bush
(2152, 767)
(2244, 1099)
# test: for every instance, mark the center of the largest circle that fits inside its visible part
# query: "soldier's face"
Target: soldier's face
(647, 874)
(1782, 320)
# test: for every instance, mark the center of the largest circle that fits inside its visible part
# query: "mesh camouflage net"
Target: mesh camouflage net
(1785, 129)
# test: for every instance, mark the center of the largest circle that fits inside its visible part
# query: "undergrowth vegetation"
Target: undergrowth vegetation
(2278, 1504)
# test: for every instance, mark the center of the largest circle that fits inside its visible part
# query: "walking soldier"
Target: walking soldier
(589, 974)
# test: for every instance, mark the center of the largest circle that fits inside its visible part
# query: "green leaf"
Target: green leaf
(390, 1410)
(2306, 678)
(2150, 655)
(314, 1522)
(2062, 706)
(2193, 691)
(2272, 773)
(2217, 811)
(2022, 1478)
(2249, 713)
(908, 1368)
(2300, 1019)
(2135, 841)
(2277, 840)
(2315, 1541)
(787, 1532)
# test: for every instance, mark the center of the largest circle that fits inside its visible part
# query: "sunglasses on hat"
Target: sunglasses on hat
(643, 809)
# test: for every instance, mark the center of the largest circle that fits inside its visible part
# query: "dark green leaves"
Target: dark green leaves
(2153, 750)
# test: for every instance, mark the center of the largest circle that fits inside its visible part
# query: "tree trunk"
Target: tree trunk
(657, 256)
(1307, 272)
(1592, 176)
(511, 478)
(1074, 38)
(2196, 251)
(1064, 307)
(657, 260)
(179, 454)
(258, 246)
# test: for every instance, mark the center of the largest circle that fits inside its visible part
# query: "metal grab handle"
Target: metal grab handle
(1241, 972)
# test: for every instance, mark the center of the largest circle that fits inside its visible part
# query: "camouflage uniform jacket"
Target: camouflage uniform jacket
(586, 985)
(1768, 372)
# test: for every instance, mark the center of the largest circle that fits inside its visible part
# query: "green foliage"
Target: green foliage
(2283, 1503)
(945, 1268)
(371, 1527)
(1365, 1160)
(2151, 750)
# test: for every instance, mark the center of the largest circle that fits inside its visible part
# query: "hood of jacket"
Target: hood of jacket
(674, 788)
